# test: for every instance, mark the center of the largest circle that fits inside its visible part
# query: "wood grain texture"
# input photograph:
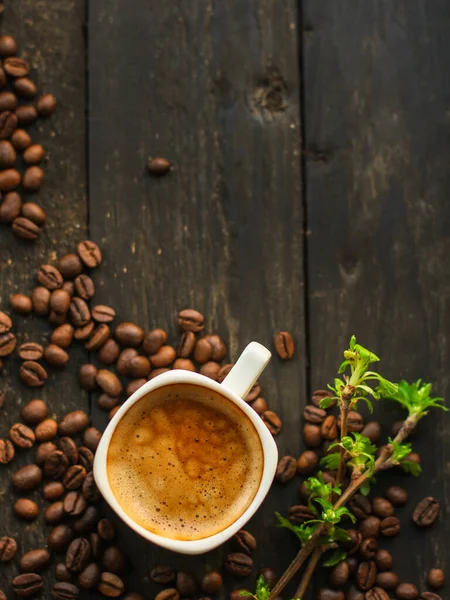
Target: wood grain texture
(212, 86)
(50, 36)
(377, 179)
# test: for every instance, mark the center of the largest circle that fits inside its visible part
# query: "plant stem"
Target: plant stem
(344, 419)
(309, 572)
(310, 546)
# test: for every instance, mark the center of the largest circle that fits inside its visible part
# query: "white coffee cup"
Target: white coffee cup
(235, 386)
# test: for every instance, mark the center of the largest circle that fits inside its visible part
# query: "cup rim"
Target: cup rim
(269, 448)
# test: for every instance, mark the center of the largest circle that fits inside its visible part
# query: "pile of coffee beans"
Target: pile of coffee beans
(20, 158)
(367, 573)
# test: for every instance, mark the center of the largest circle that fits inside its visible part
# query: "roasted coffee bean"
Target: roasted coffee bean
(26, 509)
(387, 580)
(210, 369)
(87, 522)
(254, 392)
(91, 438)
(339, 574)
(354, 422)
(85, 458)
(8, 124)
(74, 477)
(372, 430)
(354, 594)
(109, 352)
(56, 319)
(129, 334)
(186, 584)
(8, 101)
(89, 489)
(191, 320)
(73, 423)
(390, 526)
(158, 166)
(370, 527)
(259, 405)
(382, 508)
(162, 575)
(134, 385)
(16, 67)
(6, 451)
(22, 436)
(430, 596)
(34, 560)
(70, 266)
(46, 430)
(8, 154)
(383, 560)
(139, 366)
(286, 469)
(353, 544)
(164, 357)
(168, 594)
(157, 372)
(270, 576)
(49, 277)
(43, 451)
(329, 594)
(27, 584)
(69, 287)
(74, 504)
(70, 449)
(272, 421)
(435, 578)
(185, 364)
(105, 529)
(211, 583)
(54, 513)
(83, 333)
(426, 512)
(244, 541)
(114, 560)
(124, 360)
(397, 495)
(407, 591)
(328, 429)
(89, 577)
(311, 435)
(315, 415)
(52, 490)
(366, 574)
(107, 402)
(10, 208)
(84, 287)
(34, 411)
(239, 564)
(97, 338)
(154, 340)
(41, 300)
(187, 344)
(55, 465)
(299, 513)
(65, 591)
(360, 506)
(59, 301)
(33, 154)
(31, 351)
(46, 105)
(79, 312)
(219, 350)
(284, 345)
(8, 46)
(21, 304)
(7, 343)
(20, 139)
(5, 323)
(8, 548)
(110, 585)
(203, 348)
(368, 549)
(78, 555)
(25, 229)
(376, 593)
(27, 114)
(56, 356)
(109, 382)
(87, 377)
(89, 253)
(353, 563)
(103, 314)
(62, 573)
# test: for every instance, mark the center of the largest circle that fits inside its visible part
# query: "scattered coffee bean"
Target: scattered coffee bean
(168, 594)
(84, 286)
(426, 512)
(46, 105)
(354, 422)
(73, 423)
(239, 564)
(390, 526)
(74, 504)
(49, 277)
(299, 513)
(91, 438)
(184, 363)
(54, 513)
(79, 312)
(430, 596)
(187, 344)
(89, 489)
(56, 356)
(10, 208)
(329, 594)
(162, 575)
(103, 314)
(41, 300)
(85, 458)
(107, 402)
(21, 304)
(34, 411)
(383, 560)
(82, 333)
(31, 351)
(26, 509)
(7, 343)
(212, 583)
(158, 166)
(203, 348)
(109, 352)
(78, 555)
(368, 549)
(407, 591)
(46, 430)
(376, 593)
(338, 575)
(110, 585)
(87, 521)
(52, 490)
(20, 139)
(5, 323)
(64, 590)
(284, 345)
(312, 435)
(98, 337)
(185, 584)
(32, 373)
(22, 436)
(286, 469)
(34, 560)
(435, 578)
(382, 507)
(370, 527)
(34, 213)
(210, 369)
(360, 506)
(8, 548)
(355, 594)
(154, 340)
(328, 429)
(397, 495)
(114, 560)
(89, 577)
(6, 451)
(164, 357)
(70, 449)
(259, 405)
(272, 422)
(74, 477)
(139, 366)
(55, 465)
(109, 382)
(191, 320)
(62, 573)
(315, 415)
(27, 584)
(366, 574)
(387, 580)
(87, 377)
(25, 229)
(59, 301)
(43, 451)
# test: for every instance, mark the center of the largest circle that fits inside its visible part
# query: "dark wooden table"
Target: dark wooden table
(311, 144)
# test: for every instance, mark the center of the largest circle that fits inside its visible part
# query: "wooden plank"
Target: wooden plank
(214, 87)
(50, 36)
(377, 179)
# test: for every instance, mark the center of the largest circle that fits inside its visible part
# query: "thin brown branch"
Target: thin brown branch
(309, 572)
(344, 419)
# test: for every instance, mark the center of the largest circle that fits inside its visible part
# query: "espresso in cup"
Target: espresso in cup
(185, 462)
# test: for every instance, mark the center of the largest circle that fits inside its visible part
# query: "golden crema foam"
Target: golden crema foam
(185, 462)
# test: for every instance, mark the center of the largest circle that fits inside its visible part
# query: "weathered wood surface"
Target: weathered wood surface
(377, 180)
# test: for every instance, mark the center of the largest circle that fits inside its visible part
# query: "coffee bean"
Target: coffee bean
(397, 495)
(79, 312)
(157, 372)
(31, 351)
(124, 360)
(74, 504)
(368, 549)
(33, 154)
(26, 509)
(97, 338)
(64, 590)
(366, 574)
(56, 465)
(254, 392)
(20, 139)
(154, 340)
(315, 415)
(87, 377)
(390, 526)
(284, 345)
(49, 277)
(109, 382)
(27, 584)
(164, 357)
(162, 575)
(211, 583)
(382, 507)
(383, 560)
(105, 529)
(426, 512)
(210, 369)
(32, 373)
(134, 385)
(8, 101)
(60, 301)
(407, 591)
(328, 429)
(62, 573)
(46, 106)
(203, 348)
(34, 560)
(89, 253)
(158, 166)
(168, 594)
(84, 287)
(353, 544)
(328, 594)
(91, 438)
(360, 506)
(87, 522)
(299, 513)
(5, 323)
(10, 208)
(387, 580)
(259, 405)
(339, 574)
(430, 596)
(21, 304)
(272, 421)
(354, 422)
(103, 314)
(62, 336)
(8, 153)
(52, 490)
(8, 46)
(286, 469)
(73, 423)
(46, 430)
(109, 352)
(56, 356)
(43, 451)
(219, 350)
(129, 334)
(70, 449)
(74, 477)
(8, 548)
(114, 560)
(90, 490)
(70, 266)
(21, 436)
(82, 333)
(89, 577)
(353, 563)
(376, 593)
(8, 123)
(186, 584)
(7, 343)
(78, 555)
(25, 229)
(107, 402)
(312, 435)
(6, 451)
(110, 585)
(139, 366)
(355, 594)
(435, 578)
(41, 300)
(187, 344)
(370, 527)
(54, 513)
(191, 320)
(239, 564)
(185, 364)
(85, 458)
(27, 114)
(16, 67)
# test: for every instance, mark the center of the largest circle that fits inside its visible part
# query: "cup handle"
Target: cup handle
(247, 369)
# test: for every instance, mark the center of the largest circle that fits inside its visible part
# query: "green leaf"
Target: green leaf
(352, 342)
(327, 401)
(415, 397)
(343, 366)
(368, 390)
(339, 535)
(365, 488)
(262, 588)
(246, 593)
(343, 511)
(364, 399)
(411, 467)
(366, 355)
(331, 461)
(336, 557)
(303, 532)
(400, 450)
